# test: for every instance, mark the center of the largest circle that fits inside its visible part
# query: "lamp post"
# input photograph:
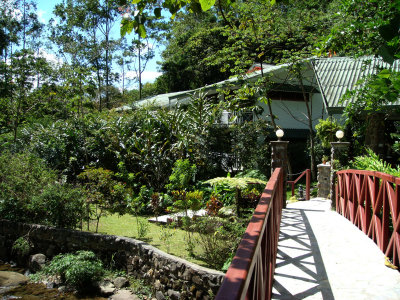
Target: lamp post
(338, 149)
(279, 158)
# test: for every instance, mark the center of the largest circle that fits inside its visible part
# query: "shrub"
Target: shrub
(218, 239)
(58, 205)
(182, 175)
(252, 174)
(22, 246)
(326, 130)
(104, 193)
(22, 176)
(137, 205)
(233, 187)
(80, 270)
(213, 205)
(250, 145)
(373, 162)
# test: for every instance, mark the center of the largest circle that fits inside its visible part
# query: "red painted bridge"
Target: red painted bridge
(309, 251)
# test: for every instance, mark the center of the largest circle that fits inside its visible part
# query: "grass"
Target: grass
(126, 225)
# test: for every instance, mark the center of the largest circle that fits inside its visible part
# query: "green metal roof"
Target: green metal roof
(184, 97)
(336, 75)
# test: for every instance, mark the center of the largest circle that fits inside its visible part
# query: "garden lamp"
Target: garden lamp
(279, 133)
(339, 134)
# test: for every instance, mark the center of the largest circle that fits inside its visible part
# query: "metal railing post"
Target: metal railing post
(308, 183)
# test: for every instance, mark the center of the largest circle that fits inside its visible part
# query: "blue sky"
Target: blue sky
(45, 13)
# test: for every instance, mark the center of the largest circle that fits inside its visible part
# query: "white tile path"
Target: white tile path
(322, 255)
(164, 219)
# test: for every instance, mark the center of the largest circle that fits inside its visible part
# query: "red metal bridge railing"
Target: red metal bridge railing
(251, 273)
(292, 183)
(371, 200)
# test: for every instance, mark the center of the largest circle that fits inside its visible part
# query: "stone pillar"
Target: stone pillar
(324, 180)
(279, 159)
(339, 156)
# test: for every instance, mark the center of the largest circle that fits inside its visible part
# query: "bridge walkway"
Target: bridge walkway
(322, 255)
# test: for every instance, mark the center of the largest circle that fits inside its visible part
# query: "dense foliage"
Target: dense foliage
(67, 157)
(80, 270)
(371, 161)
(369, 28)
(30, 193)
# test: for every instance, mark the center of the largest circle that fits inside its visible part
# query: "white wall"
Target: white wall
(293, 114)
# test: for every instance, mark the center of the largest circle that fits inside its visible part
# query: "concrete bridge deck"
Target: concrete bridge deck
(322, 255)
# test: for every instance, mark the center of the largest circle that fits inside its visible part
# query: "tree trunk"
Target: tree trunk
(269, 102)
(375, 133)
(310, 127)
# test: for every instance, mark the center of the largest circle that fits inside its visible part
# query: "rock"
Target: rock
(106, 288)
(187, 275)
(197, 280)
(120, 282)
(184, 295)
(150, 273)
(124, 295)
(174, 295)
(164, 279)
(37, 262)
(157, 285)
(176, 284)
(62, 289)
(173, 267)
(51, 250)
(8, 278)
(160, 295)
(4, 290)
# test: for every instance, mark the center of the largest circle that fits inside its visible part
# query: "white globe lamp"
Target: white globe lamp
(279, 133)
(339, 134)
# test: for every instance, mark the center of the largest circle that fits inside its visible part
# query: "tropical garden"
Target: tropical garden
(69, 159)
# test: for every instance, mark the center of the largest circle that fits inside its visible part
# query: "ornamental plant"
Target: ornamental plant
(79, 270)
(104, 193)
(373, 162)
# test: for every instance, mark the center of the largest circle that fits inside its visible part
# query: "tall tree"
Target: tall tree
(369, 28)
(192, 38)
(84, 35)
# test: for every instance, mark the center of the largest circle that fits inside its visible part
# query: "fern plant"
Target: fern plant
(373, 162)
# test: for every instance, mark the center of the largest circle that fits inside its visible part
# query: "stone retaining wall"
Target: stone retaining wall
(171, 276)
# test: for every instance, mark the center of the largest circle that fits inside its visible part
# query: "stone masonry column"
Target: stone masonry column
(279, 159)
(324, 180)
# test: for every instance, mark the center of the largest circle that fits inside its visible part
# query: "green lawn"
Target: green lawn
(126, 225)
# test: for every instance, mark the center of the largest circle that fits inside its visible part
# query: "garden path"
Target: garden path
(174, 217)
(322, 255)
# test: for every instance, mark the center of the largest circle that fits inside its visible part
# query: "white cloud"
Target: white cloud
(150, 76)
(50, 57)
(41, 14)
(147, 76)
